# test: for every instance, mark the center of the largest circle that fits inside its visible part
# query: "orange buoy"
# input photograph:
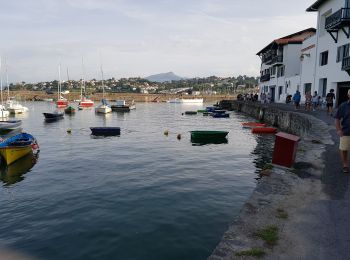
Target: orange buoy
(264, 130)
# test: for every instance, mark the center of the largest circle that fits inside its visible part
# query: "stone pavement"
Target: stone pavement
(332, 228)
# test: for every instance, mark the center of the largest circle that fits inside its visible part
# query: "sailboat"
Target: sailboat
(104, 108)
(3, 112)
(13, 106)
(61, 101)
(84, 101)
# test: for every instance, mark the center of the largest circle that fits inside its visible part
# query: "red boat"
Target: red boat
(86, 103)
(264, 130)
(253, 124)
(62, 103)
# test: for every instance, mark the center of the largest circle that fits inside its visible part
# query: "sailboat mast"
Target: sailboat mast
(103, 85)
(83, 79)
(2, 100)
(7, 82)
(59, 81)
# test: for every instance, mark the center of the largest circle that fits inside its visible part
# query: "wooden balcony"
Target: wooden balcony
(346, 64)
(338, 20)
(277, 59)
(265, 78)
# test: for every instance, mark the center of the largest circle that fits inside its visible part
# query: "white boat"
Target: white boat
(9, 125)
(48, 99)
(14, 107)
(104, 108)
(186, 100)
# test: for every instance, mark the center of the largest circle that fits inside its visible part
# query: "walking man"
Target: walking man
(342, 124)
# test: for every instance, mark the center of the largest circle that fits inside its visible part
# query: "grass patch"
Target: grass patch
(269, 235)
(281, 214)
(267, 166)
(256, 252)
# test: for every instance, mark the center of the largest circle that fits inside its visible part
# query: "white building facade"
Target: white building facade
(281, 66)
(332, 48)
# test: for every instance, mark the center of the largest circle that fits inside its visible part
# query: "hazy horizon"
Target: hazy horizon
(191, 38)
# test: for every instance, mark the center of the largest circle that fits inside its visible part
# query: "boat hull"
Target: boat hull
(120, 108)
(105, 131)
(13, 153)
(62, 103)
(103, 110)
(208, 134)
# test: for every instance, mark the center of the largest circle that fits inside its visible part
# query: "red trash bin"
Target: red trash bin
(285, 149)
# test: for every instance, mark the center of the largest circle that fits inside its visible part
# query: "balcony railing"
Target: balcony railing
(339, 19)
(277, 59)
(265, 77)
(346, 64)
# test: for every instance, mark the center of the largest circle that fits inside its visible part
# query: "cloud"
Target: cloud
(137, 38)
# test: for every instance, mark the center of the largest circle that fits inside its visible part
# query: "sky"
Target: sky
(131, 38)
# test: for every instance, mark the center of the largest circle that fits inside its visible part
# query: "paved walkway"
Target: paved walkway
(332, 229)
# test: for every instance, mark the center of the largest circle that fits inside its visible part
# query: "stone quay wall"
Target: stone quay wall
(287, 121)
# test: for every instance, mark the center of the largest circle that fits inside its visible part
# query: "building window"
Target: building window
(307, 87)
(323, 87)
(280, 71)
(323, 58)
(342, 51)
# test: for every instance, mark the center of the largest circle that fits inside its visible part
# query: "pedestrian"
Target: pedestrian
(308, 101)
(342, 124)
(296, 99)
(329, 99)
(269, 96)
(314, 101)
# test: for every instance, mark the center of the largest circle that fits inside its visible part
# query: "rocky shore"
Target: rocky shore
(283, 218)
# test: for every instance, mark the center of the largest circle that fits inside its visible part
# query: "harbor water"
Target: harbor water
(141, 195)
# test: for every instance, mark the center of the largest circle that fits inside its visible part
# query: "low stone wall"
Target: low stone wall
(287, 121)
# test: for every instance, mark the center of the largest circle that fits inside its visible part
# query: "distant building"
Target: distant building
(281, 65)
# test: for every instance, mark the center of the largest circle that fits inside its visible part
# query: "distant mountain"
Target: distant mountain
(163, 77)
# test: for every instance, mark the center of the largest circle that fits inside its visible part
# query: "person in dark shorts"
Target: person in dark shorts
(342, 124)
(329, 99)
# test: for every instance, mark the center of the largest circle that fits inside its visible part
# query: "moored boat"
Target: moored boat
(69, 110)
(122, 106)
(17, 147)
(53, 116)
(190, 112)
(220, 115)
(264, 130)
(186, 100)
(206, 134)
(253, 124)
(9, 125)
(105, 131)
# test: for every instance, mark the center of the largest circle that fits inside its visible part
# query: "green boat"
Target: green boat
(69, 110)
(208, 134)
(202, 111)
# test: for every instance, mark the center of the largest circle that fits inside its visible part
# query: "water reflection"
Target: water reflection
(263, 151)
(201, 141)
(13, 173)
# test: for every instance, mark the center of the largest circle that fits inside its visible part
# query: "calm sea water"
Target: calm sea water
(142, 195)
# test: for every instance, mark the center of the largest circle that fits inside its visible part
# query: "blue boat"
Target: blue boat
(210, 109)
(105, 131)
(220, 115)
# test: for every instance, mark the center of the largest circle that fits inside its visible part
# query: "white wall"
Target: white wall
(291, 59)
(308, 63)
(332, 71)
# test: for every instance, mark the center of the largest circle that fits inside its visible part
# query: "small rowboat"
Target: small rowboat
(190, 112)
(69, 110)
(17, 146)
(253, 124)
(208, 134)
(264, 130)
(220, 115)
(105, 131)
(53, 116)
